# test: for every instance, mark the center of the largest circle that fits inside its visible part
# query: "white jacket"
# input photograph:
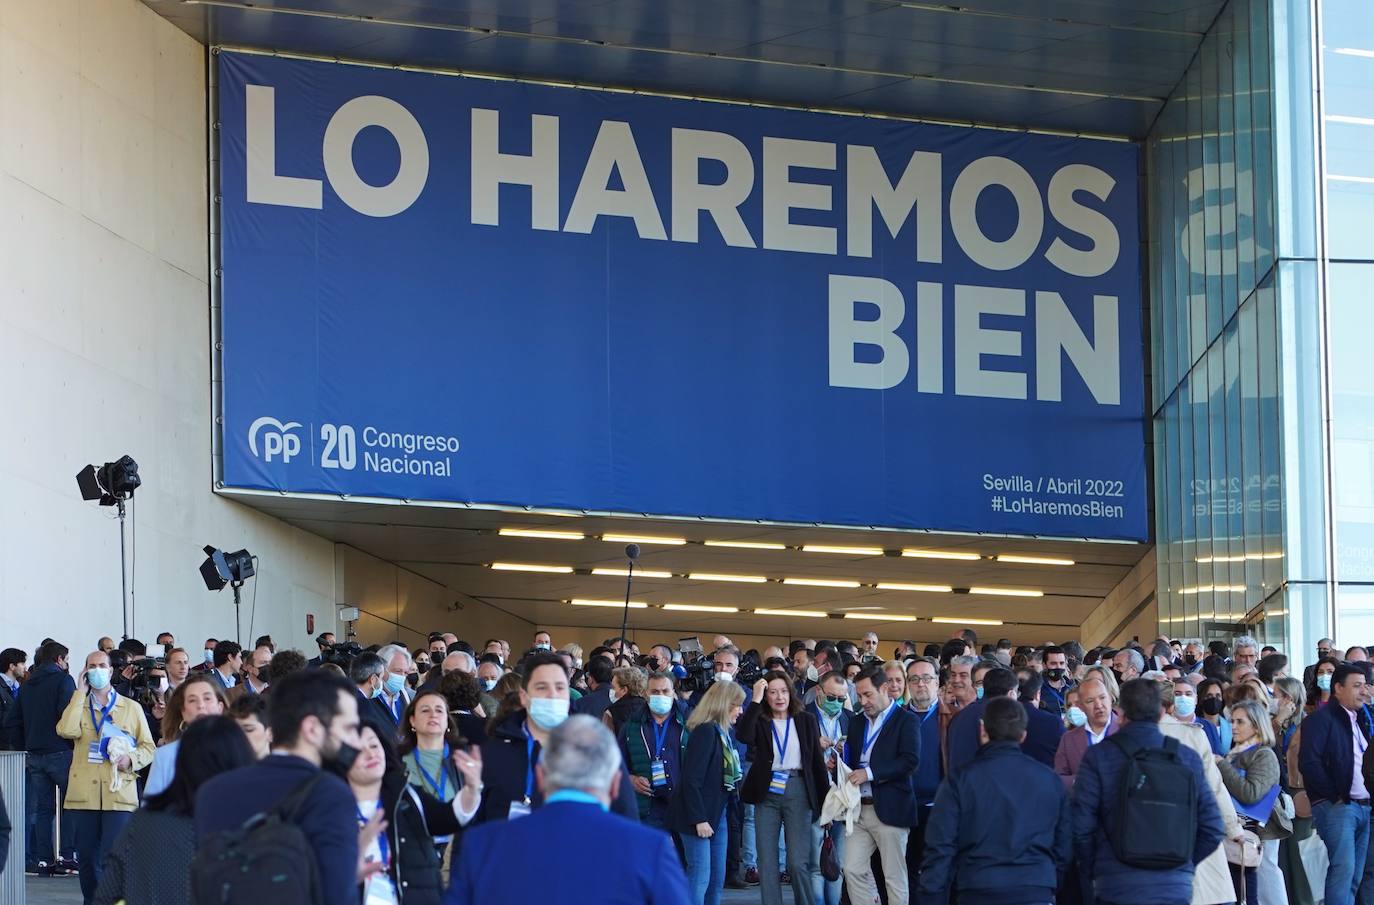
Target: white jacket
(1212, 879)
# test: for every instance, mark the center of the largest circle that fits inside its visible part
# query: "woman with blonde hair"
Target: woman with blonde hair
(710, 772)
(1108, 678)
(1291, 696)
(1251, 774)
(628, 689)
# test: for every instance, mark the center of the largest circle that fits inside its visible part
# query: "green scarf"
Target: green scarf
(732, 772)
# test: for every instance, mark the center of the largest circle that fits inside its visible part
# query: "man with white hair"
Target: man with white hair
(529, 858)
(395, 696)
(1246, 651)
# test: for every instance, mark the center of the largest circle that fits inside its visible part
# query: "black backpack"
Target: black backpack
(1155, 823)
(267, 861)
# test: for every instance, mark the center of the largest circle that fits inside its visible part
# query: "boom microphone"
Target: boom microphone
(631, 553)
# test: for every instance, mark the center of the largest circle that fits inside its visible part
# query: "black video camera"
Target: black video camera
(340, 653)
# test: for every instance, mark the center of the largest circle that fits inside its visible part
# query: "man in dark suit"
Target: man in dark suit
(883, 751)
(313, 717)
(962, 739)
(598, 696)
(1043, 730)
(530, 858)
(367, 672)
(325, 640)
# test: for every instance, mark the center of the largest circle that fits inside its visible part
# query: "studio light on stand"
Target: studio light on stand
(233, 569)
(113, 484)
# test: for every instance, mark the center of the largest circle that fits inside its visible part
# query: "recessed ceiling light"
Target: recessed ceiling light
(821, 582)
(809, 614)
(881, 617)
(717, 576)
(545, 533)
(699, 608)
(1034, 560)
(618, 604)
(960, 620)
(644, 539)
(529, 567)
(639, 573)
(746, 544)
(903, 586)
(941, 554)
(1007, 592)
(846, 551)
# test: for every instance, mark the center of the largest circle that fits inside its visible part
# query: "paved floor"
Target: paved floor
(47, 891)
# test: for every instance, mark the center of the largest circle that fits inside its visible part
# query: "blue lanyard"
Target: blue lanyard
(383, 845)
(781, 742)
(832, 728)
(104, 712)
(1054, 693)
(529, 764)
(873, 735)
(397, 709)
(660, 737)
(441, 786)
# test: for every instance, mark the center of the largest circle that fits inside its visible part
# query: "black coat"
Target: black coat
(755, 729)
(1002, 823)
(150, 861)
(701, 798)
(893, 760)
(10, 738)
(625, 708)
(413, 818)
(1043, 732)
(32, 721)
(505, 772)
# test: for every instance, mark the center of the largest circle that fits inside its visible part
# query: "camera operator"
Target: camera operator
(325, 640)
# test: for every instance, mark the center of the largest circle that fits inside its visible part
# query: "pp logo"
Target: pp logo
(277, 439)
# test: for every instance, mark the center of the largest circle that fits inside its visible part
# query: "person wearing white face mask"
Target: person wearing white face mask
(517, 736)
(543, 641)
(111, 743)
(651, 744)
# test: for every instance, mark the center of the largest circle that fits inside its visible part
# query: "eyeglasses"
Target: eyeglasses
(924, 680)
(834, 698)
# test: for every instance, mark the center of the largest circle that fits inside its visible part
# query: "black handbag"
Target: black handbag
(830, 865)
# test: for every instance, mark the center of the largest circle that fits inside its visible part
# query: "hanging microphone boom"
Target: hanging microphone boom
(631, 553)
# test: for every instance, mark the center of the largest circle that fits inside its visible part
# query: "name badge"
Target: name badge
(93, 755)
(658, 772)
(519, 809)
(380, 891)
(778, 784)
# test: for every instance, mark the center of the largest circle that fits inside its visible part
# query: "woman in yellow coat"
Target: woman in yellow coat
(111, 743)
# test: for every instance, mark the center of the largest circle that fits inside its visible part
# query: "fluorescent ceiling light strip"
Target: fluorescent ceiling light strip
(1007, 592)
(903, 586)
(1034, 560)
(700, 608)
(717, 576)
(644, 539)
(639, 573)
(846, 551)
(746, 544)
(821, 582)
(881, 617)
(809, 614)
(545, 533)
(961, 620)
(941, 554)
(529, 567)
(1349, 120)
(618, 604)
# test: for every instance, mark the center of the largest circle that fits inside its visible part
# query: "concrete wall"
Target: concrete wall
(399, 605)
(105, 336)
(1112, 622)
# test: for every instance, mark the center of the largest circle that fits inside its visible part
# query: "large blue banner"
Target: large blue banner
(464, 289)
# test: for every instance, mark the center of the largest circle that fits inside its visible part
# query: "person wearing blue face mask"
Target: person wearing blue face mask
(651, 744)
(396, 694)
(511, 752)
(531, 859)
(111, 742)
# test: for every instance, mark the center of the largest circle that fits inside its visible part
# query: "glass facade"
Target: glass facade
(1239, 335)
(1347, 121)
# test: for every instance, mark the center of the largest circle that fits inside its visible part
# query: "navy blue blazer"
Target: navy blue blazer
(536, 859)
(1043, 731)
(1327, 757)
(329, 817)
(701, 796)
(893, 760)
(961, 738)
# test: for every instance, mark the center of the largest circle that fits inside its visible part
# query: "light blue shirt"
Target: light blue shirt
(163, 770)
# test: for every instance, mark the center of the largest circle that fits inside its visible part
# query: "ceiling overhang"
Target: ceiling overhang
(1082, 66)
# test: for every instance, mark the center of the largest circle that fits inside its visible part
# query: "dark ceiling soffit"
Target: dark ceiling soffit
(1148, 100)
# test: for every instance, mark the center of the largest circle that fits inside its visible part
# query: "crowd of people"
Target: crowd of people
(1173, 773)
